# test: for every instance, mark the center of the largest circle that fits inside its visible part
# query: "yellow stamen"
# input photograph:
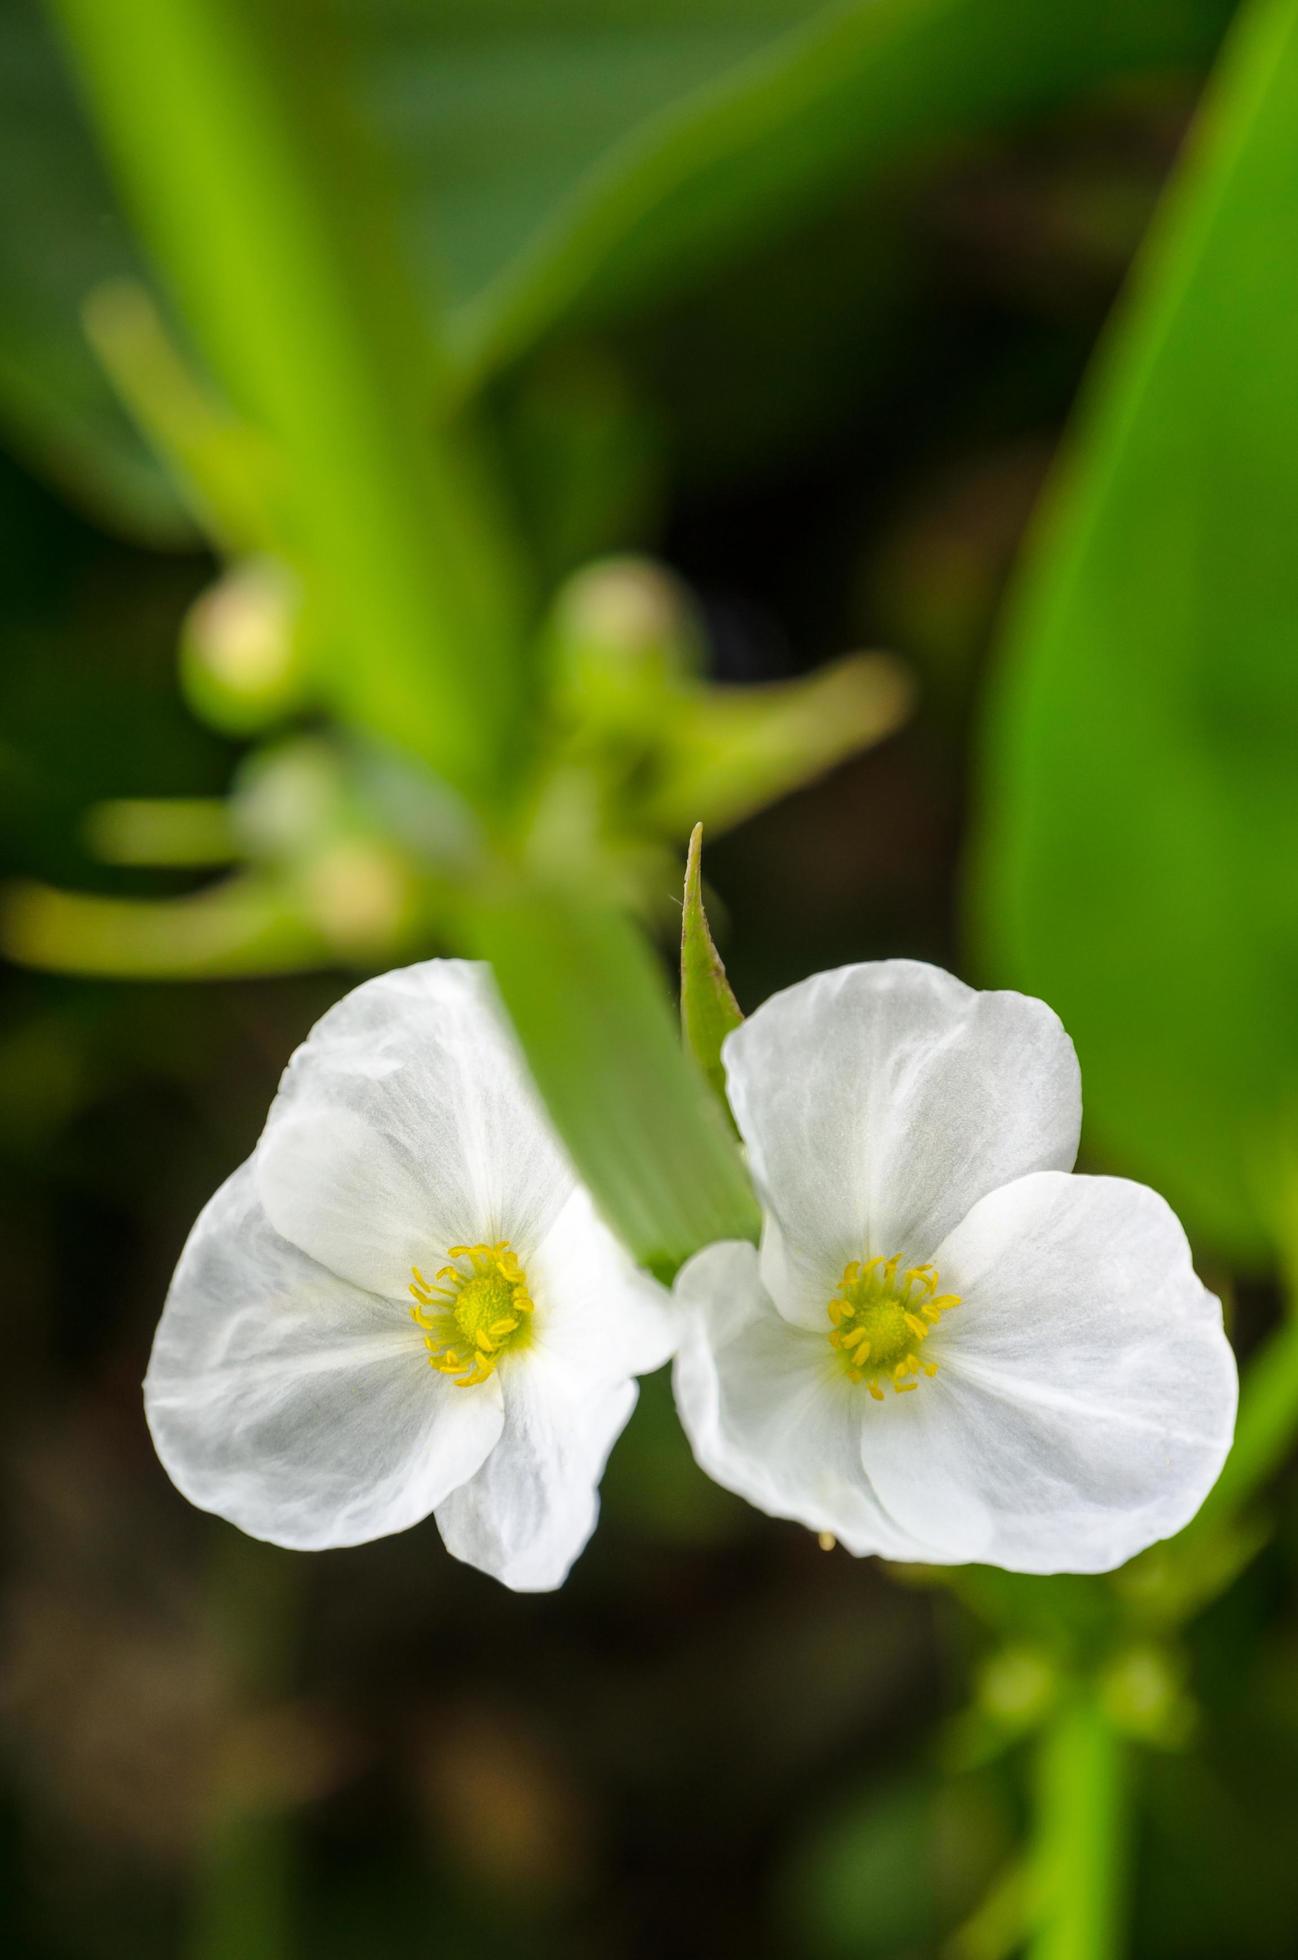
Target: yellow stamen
(881, 1315)
(480, 1313)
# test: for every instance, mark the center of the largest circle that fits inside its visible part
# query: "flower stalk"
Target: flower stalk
(1080, 1854)
(243, 1901)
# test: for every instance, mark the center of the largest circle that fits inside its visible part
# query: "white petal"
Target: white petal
(530, 1510)
(405, 1124)
(596, 1312)
(768, 1413)
(351, 1197)
(879, 1102)
(1086, 1393)
(293, 1404)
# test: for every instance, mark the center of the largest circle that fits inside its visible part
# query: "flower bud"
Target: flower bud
(624, 633)
(289, 797)
(1017, 1686)
(1144, 1696)
(242, 655)
(362, 895)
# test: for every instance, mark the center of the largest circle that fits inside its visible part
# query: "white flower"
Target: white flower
(403, 1302)
(949, 1348)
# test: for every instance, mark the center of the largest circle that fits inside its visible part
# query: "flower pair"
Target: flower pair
(947, 1348)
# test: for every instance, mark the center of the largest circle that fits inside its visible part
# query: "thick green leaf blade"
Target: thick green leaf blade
(644, 1134)
(1140, 793)
(709, 1010)
(263, 209)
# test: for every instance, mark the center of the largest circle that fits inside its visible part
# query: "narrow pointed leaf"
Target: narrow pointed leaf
(709, 1010)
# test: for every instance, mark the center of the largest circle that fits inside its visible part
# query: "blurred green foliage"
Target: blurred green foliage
(1142, 821)
(568, 168)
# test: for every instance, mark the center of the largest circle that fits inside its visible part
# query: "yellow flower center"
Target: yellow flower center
(473, 1312)
(880, 1322)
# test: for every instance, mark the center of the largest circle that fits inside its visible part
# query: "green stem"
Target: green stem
(1081, 1850)
(163, 830)
(1081, 1793)
(222, 468)
(254, 191)
(243, 925)
(243, 1881)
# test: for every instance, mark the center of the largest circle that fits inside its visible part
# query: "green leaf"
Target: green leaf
(642, 1130)
(261, 205)
(709, 1010)
(559, 162)
(1140, 819)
